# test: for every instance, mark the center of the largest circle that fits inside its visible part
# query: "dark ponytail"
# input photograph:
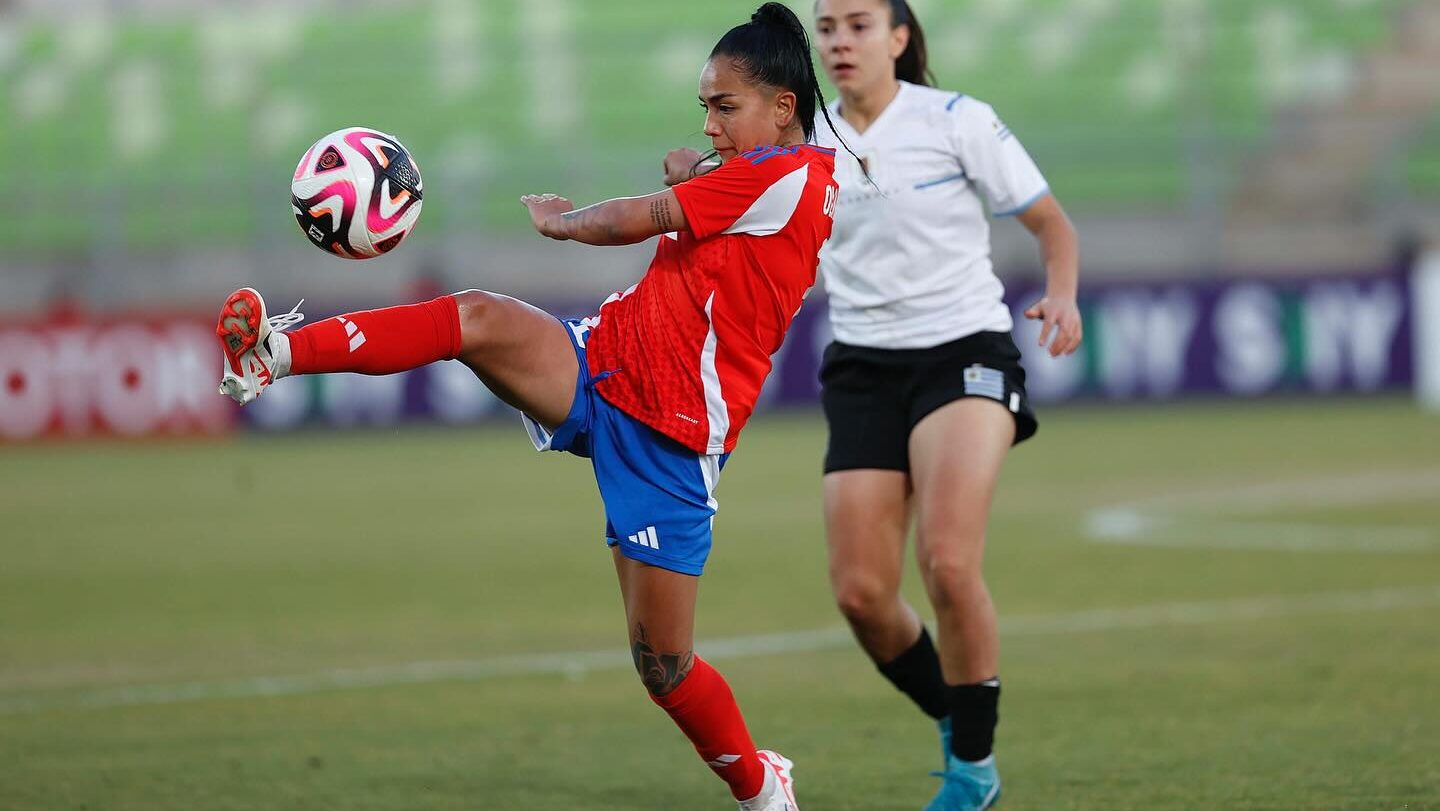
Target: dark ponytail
(913, 66)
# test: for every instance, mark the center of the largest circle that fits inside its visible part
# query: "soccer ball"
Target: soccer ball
(357, 193)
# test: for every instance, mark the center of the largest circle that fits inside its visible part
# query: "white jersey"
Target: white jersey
(908, 264)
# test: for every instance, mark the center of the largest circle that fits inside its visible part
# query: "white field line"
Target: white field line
(1356, 489)
(1127, 528)
(577, 663)
(1205, 519)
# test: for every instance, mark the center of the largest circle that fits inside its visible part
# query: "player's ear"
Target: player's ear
(899, 41)
(784, 110)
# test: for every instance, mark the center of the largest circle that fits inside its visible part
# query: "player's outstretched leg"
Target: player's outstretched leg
(522, 353)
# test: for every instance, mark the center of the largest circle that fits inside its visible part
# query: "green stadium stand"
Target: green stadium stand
(149, 133)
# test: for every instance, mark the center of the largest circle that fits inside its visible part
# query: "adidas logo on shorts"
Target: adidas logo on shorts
(645, 537)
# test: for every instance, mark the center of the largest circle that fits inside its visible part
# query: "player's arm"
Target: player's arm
(1011, 182)
(622, 221)
(1060, 250)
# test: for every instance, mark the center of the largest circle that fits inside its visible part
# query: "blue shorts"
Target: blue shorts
(659, 495)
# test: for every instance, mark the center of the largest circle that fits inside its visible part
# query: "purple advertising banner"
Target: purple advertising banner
(1143, 341)
(1242, 338)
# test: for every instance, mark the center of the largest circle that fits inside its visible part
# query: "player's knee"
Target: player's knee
(477, 322)
(951, 573)
(863, 599)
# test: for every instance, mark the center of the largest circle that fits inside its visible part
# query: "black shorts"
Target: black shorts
(874, 398)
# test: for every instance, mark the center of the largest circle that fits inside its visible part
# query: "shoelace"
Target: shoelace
(280, 323)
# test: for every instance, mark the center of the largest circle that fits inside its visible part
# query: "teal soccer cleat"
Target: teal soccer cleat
(967, 786)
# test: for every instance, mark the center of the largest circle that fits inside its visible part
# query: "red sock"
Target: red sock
(705, 710)
(378, 342)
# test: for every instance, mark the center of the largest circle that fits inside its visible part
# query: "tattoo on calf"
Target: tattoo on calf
(660, 672)
(661, 216)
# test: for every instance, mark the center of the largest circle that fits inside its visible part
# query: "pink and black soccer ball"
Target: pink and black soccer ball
(357, 193)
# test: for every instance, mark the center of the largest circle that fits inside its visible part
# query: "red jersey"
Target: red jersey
(689, 347)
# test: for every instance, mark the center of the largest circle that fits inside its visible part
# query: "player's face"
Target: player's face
(741, 115)
(858, 43)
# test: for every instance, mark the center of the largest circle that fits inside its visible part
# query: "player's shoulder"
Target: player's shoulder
(773, 162)
(956, 108)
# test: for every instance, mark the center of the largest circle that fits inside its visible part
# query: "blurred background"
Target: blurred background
(1201, 137)
(1195, 142)
(1256, 184)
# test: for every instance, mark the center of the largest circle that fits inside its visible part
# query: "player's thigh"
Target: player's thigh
(956, 454)
(522, 353)
(660, 618)
(866, 411)
(867, 518)
(866, 459)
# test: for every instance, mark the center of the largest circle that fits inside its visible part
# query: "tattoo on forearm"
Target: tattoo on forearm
(588, 218)
(660, 672)
(660, 215)
(573, 221)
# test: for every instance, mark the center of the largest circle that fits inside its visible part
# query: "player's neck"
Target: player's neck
(860, 109)
(791, 137)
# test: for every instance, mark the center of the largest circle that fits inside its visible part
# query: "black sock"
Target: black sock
(916, 673)
(974, 712)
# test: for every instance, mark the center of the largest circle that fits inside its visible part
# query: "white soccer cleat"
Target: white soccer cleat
(255, 351)
(778, 793)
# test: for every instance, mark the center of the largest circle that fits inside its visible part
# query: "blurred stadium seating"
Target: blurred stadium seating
(141, 130)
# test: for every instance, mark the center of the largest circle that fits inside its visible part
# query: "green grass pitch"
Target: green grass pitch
(1208, 608)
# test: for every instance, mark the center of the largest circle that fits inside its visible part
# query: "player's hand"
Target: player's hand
(546, 211)
(680, 166)
(1062, 318)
